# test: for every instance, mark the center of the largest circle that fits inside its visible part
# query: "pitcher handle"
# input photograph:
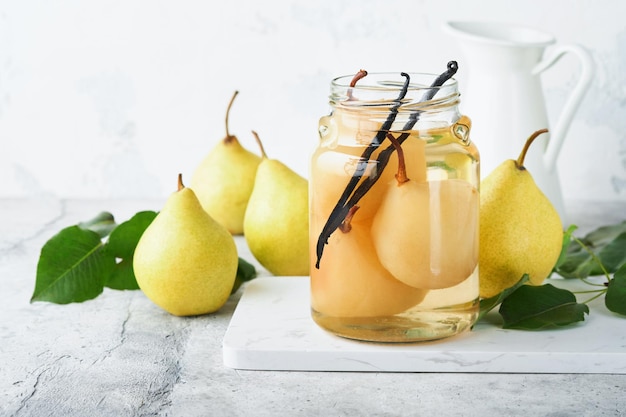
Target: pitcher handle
(567, 114)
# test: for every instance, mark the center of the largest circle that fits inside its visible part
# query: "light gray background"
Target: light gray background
(113, 98)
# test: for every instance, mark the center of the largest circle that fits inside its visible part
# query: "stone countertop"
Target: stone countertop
(120, 355)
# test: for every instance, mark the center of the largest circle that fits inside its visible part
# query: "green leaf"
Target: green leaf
(121, 245)
(245, 272)
(613, 254)
(605, 234)
(125, 237)
(122, 277)
(102, 224)
(577, 263)
(535, 307)
(567, 240)
(608, 245)
(615, 298)
(488, 304)
(71, 267)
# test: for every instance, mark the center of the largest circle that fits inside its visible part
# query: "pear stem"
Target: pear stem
(520, 160)
(346, 224)
(359, 75)
(258, 141)
(401, 174)
(180, 182)
(228, 137)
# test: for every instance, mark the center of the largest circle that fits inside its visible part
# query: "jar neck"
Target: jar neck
(379, 95)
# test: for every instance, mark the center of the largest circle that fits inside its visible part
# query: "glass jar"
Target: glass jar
(394, 211)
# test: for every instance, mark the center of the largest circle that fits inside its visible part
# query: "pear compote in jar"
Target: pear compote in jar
(394, 210)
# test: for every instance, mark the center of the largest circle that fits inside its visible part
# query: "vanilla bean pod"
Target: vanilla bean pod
(345, 203)
(384, 155)
(341, 210)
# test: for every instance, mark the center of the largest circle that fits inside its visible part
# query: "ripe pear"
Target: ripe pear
(426, 232)
(224, 179)
(351, 282)
(520, 231)
(276, 223)
(186, 262)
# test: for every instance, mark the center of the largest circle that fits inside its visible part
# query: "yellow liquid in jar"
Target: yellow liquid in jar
(407, 269)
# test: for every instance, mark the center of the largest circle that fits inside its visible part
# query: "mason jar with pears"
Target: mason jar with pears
(394, 210)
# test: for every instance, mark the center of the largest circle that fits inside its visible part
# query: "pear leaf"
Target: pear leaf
(122, 277)
(567, 241)
(535, 307)
(121, 245)
(613, 255)
(488, 304)
(607, 243)
(72, 266)
(605, 234)
(245, 272)
(615, 298)
(102, 224)
(125, 237)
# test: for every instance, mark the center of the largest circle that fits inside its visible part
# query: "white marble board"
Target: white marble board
(271, 329)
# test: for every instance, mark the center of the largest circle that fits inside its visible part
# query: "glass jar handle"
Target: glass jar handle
(569, 110)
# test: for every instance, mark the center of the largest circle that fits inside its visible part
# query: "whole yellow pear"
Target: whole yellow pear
(520, 231)
(224, 179)
(186, 262)
(276, 224)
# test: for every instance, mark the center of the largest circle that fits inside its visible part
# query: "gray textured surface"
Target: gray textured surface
(119, 355)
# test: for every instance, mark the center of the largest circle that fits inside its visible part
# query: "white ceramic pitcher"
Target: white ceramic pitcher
(504, 97)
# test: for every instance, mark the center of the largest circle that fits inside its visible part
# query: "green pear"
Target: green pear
(186, 262)
(276, 224)
(224, 179)
(520, 231)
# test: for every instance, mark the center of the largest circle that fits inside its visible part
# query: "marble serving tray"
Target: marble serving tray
(271, 329)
